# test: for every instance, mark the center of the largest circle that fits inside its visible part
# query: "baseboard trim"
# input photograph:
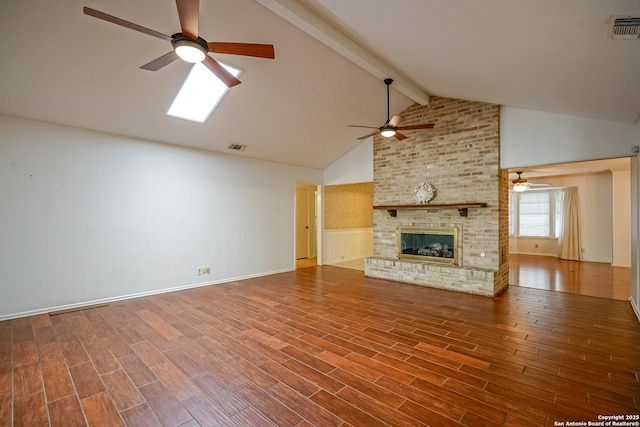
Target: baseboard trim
(74, 309)
(88, 304)
(533, 253)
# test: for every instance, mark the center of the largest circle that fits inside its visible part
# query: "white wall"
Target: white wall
(533, 138)
(354, 167)
(87, 217)
(533, 246)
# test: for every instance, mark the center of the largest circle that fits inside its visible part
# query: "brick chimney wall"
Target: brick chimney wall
(461, 158)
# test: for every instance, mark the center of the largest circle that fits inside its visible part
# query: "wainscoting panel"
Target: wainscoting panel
(348, 244)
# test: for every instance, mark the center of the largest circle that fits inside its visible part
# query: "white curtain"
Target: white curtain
(569, 239)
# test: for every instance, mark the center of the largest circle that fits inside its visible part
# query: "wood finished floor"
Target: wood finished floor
(306, 262)
(323, 346)
(597, 279)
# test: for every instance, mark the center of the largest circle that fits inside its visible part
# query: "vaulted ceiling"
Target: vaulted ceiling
(59, 65)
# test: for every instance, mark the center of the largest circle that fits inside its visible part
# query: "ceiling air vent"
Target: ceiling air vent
(237, 147)
(624, 27)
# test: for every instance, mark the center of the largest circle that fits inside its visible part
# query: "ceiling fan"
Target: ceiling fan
(390, 127)
(188, 45)
(520, 184)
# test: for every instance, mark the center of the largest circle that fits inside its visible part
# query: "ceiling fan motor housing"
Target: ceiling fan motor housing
(179, 39)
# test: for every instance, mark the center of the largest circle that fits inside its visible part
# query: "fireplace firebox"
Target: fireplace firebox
(428, 244)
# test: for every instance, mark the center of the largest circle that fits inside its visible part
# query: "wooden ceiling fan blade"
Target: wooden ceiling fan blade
(123, 23)
(416, 127)
(246, 49)
(366, 127)
(189, 13)
(399, 136)
(395, 121)
(217, 69)
(367, 136)
(158, 63)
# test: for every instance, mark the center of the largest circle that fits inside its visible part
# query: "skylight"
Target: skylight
(199, 94)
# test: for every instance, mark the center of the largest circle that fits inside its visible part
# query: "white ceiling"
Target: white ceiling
(62, 66)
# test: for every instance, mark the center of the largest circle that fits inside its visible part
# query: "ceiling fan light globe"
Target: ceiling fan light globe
(519, 187)
(388, 133)
(189, 52)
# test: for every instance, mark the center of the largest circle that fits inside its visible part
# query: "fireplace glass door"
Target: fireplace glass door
(428, 244)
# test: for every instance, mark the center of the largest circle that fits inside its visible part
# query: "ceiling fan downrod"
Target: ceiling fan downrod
(388, 82)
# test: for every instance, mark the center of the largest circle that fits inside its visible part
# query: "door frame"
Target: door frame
(319, 226)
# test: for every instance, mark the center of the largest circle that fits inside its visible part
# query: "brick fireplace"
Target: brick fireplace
(460, 157)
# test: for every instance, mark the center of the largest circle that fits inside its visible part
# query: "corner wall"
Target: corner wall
(348, 222)
(90, 217)
(461, 157)
(354, 167)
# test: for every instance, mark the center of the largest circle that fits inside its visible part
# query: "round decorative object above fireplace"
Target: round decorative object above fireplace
(424, 192)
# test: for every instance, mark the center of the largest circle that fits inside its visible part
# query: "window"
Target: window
(533, 213)
(534, 217)
(199, 94)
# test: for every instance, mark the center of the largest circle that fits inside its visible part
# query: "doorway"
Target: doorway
(306, 225)
(606, 228)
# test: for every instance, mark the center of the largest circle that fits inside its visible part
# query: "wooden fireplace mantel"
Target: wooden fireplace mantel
(462, 207)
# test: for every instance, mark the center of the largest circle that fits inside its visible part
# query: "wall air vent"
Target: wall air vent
(237, 147)
(624, 27)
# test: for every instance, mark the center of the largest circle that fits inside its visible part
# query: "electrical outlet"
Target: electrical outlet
(203, 270)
